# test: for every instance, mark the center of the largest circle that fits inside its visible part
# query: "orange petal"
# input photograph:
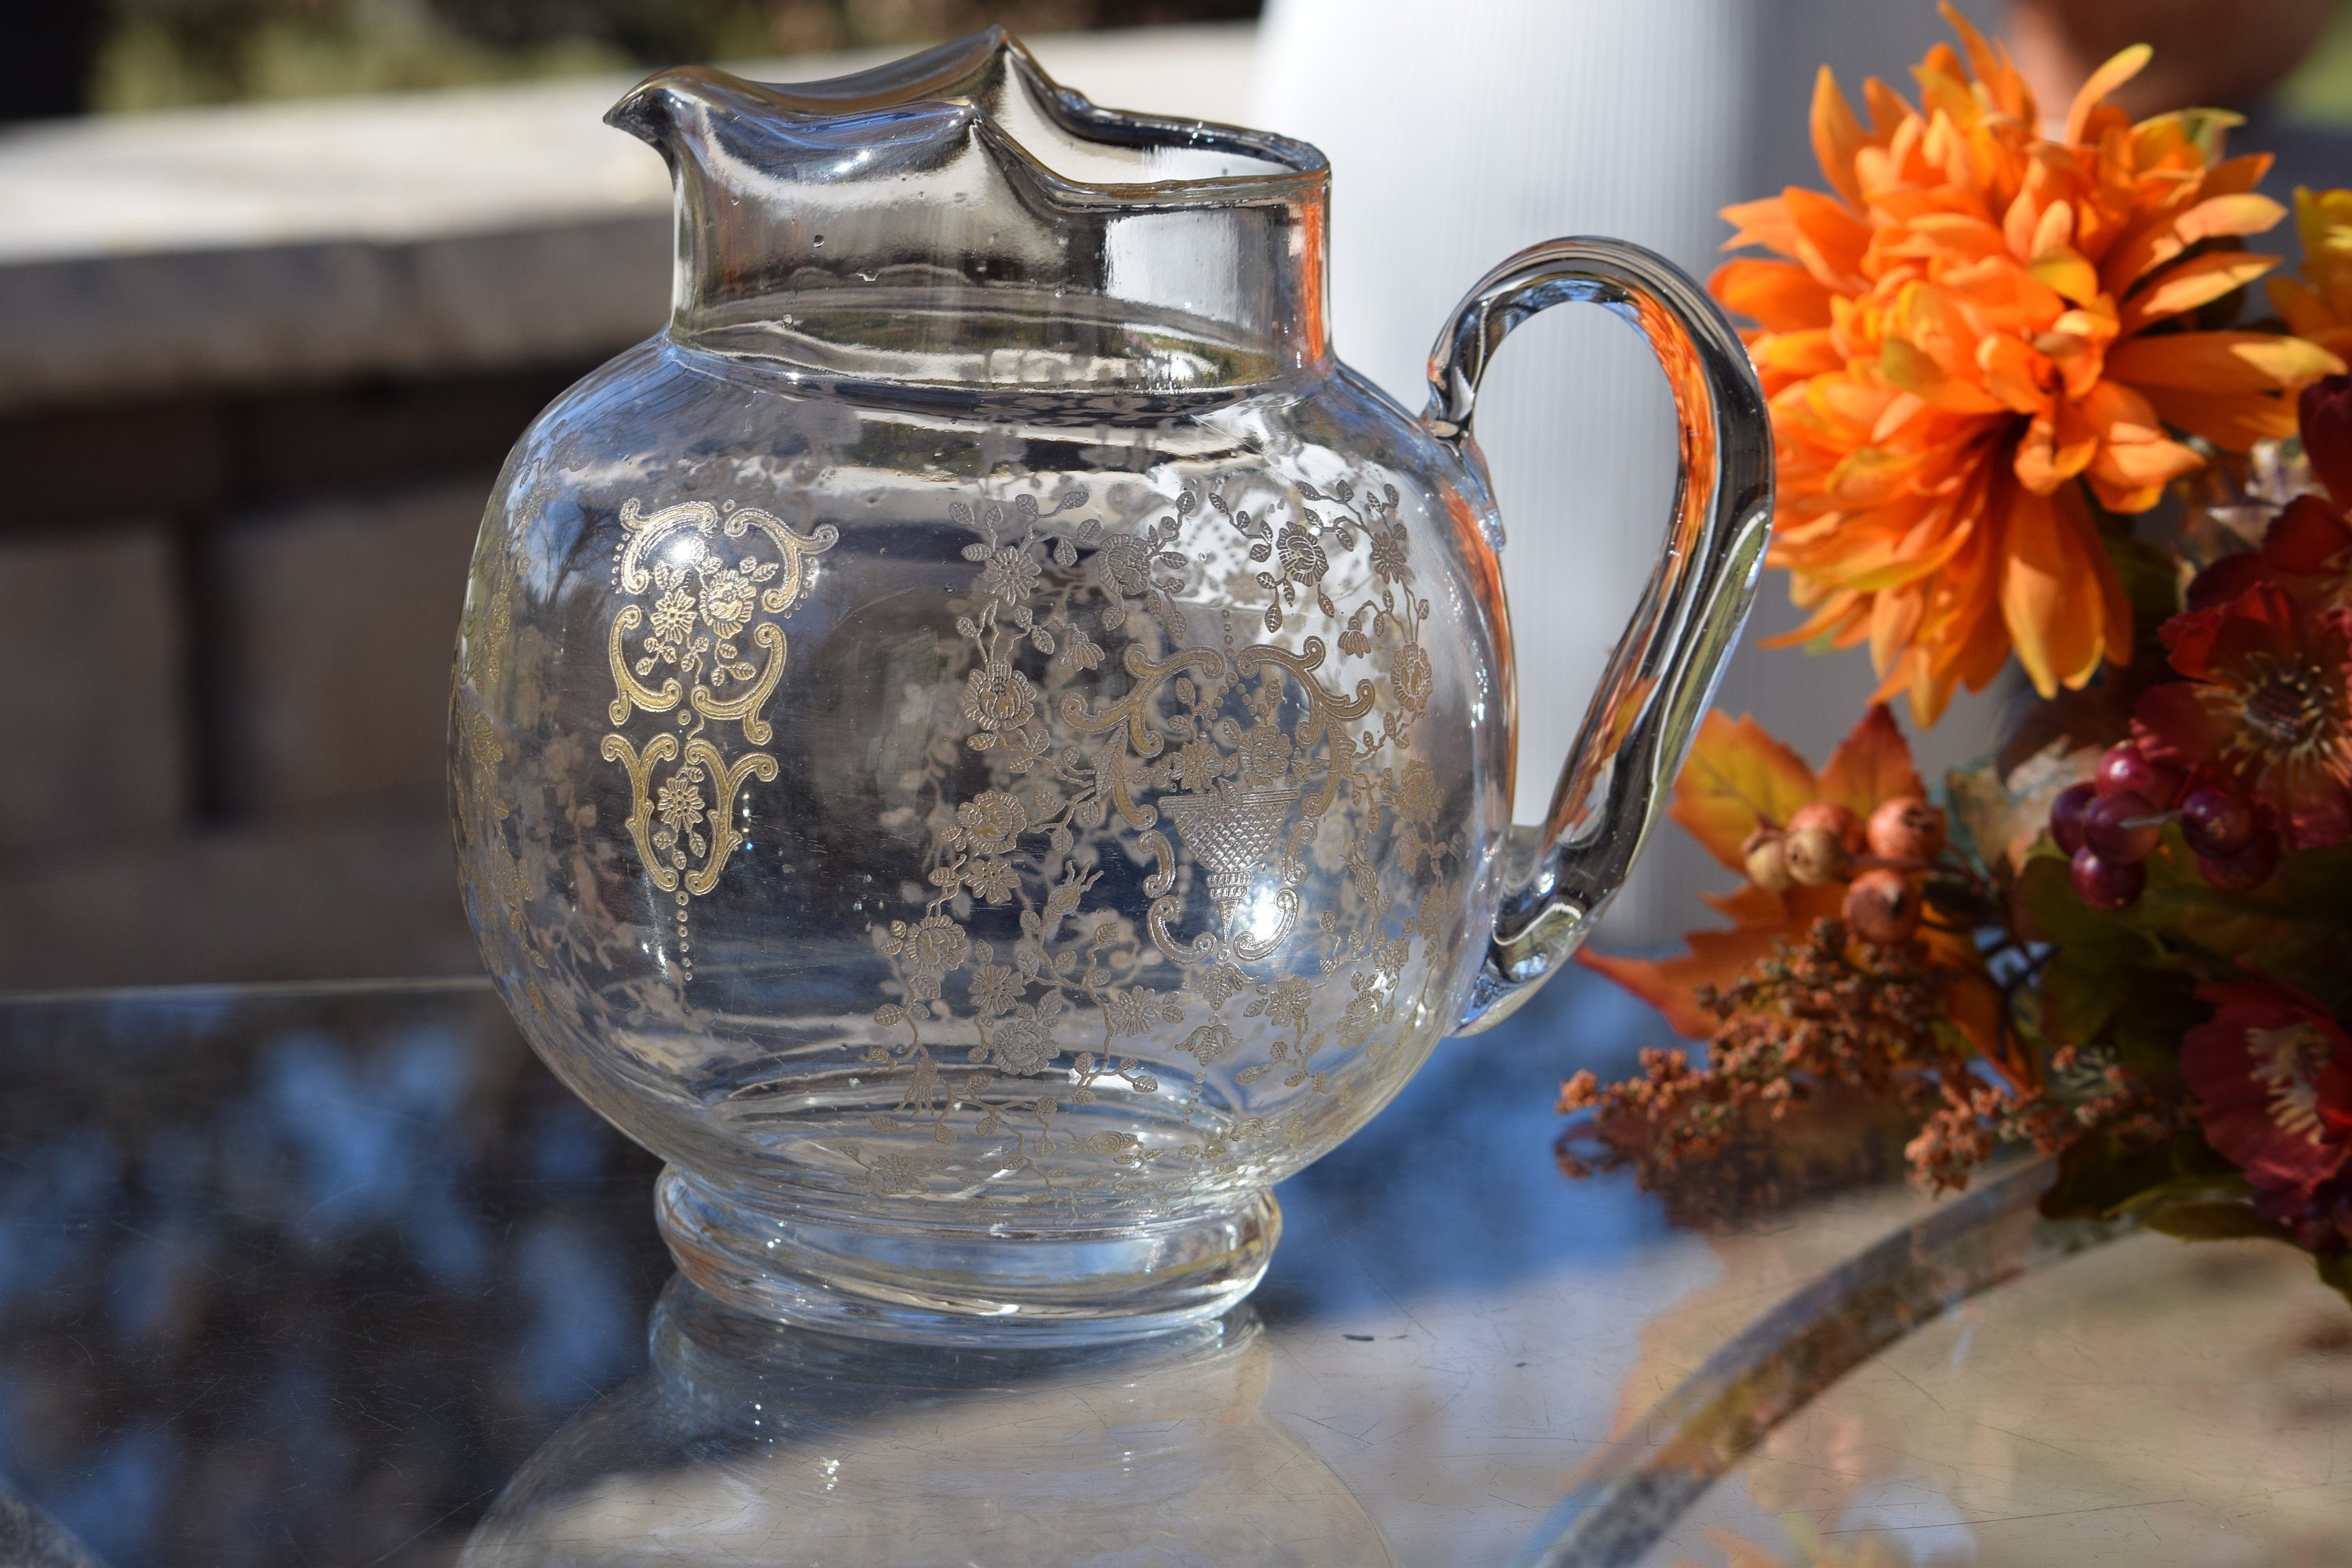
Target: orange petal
(2050, 596)
(2221, 362)
(2200, 281)
(2126, 64)
(1798, 354)
(1830, 240)
(1765, 222)
(1837, 136)
(2015, 373)
(2232, 176)
(1907, 367)
(1779, 295)
(2232, 421)
(1992, 67)
(2212, 218)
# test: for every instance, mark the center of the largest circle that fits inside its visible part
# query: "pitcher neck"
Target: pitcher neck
(956, 219)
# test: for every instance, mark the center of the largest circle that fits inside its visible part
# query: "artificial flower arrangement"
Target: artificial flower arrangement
(2019, 408)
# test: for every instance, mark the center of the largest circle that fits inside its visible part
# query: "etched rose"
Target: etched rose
(1368, 1011)
(989, 822)
(1417, 798)
(1303, 559)
(728, 600)
(998, 696)
(937, 945)
(1024, 1046)
(1265, 754)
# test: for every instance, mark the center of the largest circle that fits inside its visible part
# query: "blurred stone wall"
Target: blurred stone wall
(258, 367)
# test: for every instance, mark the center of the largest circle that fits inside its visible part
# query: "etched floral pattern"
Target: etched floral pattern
(1224, 773)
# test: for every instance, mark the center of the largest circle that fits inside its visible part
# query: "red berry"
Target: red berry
(2247, 869)
(2216, 822)
(1881, 906)
(2127, 770)
(2066, 815)
(1839, 819)
(1905, 828)
(2122, 828)
(2107, 884)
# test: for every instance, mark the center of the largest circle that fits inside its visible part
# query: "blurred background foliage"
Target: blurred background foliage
(160, 54)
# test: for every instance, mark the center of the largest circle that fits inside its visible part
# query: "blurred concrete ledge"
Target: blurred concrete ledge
(258, 367)
(407, 234)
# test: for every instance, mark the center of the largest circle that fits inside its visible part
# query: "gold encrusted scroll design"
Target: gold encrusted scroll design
(707, 650)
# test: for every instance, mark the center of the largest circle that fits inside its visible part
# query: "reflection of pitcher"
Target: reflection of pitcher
(985, 746)
(750, 1445)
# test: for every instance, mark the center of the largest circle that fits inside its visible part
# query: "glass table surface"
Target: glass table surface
(339, 1275)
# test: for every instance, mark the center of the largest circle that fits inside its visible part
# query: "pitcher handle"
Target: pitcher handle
(1558, 878)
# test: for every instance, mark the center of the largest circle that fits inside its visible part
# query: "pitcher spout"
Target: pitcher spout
(958, 218)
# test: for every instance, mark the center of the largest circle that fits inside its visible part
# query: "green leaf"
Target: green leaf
(2151, 581)
(2098, 953)
(2215, 1221)
(2294, 929)
(2157, 1007)
(2098, 1177)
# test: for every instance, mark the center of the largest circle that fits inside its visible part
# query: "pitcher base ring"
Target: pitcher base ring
(940, 1285)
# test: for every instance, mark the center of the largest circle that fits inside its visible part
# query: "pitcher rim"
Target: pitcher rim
(1300, 169)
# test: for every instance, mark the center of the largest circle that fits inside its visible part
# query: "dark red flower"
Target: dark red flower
(2307, 549)
(2267, 706)
(2325, 414)
(2273, 1076)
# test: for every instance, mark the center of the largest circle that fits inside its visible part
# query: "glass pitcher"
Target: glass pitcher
(985, 746)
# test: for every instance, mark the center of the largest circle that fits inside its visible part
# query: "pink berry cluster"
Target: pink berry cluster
(1826, 843)
(2112, 825)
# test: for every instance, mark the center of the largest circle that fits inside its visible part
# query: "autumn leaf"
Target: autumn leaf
(1715, 958)
(1738, 778)
(2004, 818)
(1872, 764)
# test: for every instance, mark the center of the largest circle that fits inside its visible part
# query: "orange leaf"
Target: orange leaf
(1738, 778)
(1871, 764)
(1715, 958)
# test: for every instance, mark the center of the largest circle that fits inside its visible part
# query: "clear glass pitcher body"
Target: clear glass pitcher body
(984, 746)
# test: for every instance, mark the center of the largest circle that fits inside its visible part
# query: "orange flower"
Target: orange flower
(1974, 317)
(2319, 305)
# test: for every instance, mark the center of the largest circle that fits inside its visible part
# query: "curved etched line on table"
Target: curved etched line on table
(1697, 1433)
